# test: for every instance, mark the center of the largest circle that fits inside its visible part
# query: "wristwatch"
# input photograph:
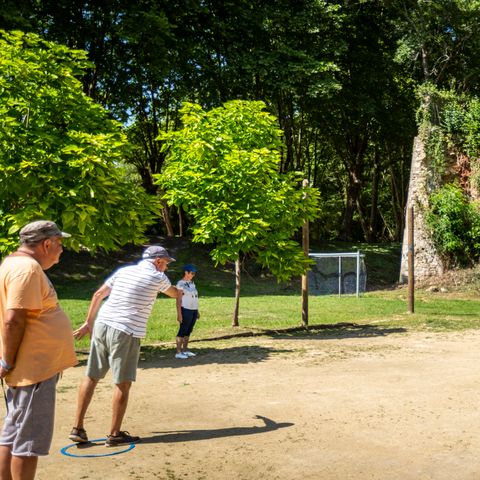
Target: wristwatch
(5, 365)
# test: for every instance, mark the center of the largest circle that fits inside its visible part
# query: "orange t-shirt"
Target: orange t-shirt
(47, 346)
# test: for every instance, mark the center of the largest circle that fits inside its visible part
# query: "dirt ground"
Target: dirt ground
(369, 404)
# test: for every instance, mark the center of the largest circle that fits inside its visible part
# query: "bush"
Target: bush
(471, 129)
(454, 223)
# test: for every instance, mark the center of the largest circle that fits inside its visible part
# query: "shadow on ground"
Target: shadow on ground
(320, 331)
(324, 332)
(196, 435)
(160, 357)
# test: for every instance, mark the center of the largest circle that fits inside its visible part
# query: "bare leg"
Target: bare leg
(24, 468)
(179, 344)
(185, 343)
(5, 463)
(85, 394)
(119, 405)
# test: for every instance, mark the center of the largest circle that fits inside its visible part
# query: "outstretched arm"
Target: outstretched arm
(97, 298)
(176, 293)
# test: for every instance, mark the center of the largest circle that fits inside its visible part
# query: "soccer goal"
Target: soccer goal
(342, 273)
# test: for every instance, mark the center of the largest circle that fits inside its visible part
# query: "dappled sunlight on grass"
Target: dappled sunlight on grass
(277, 312)
(266, 305)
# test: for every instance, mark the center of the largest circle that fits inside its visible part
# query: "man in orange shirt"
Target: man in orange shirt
(36, 346)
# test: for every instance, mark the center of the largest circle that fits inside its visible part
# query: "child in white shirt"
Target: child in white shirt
(190, 312)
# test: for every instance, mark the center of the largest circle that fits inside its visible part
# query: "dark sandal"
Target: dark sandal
(78, 435)
(123, 438)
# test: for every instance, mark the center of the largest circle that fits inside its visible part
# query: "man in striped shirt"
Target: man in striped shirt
(116, 327)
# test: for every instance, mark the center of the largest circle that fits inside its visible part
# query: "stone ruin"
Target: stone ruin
(427, 261)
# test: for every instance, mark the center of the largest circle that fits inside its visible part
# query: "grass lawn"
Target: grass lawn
(276, 312)
(267, 305)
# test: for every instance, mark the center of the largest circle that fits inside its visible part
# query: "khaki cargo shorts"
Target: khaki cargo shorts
(112, 348)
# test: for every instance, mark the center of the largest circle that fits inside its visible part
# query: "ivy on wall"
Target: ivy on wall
(450, 125)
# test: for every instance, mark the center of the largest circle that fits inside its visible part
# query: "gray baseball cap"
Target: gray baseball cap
(155, 251)
(40, 230)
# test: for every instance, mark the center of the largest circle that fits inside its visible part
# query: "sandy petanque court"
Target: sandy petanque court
(365, 404)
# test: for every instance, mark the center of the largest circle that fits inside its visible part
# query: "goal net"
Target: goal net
(337, 273)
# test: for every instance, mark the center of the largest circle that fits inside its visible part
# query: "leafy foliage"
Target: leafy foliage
(471, 128)
(450, 121)
(223, 169)
(439, 39)
(455, 225)
(324, 69)
(339, 76)
(60, 153)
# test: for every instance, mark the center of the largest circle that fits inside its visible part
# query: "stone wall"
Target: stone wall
(427, 261)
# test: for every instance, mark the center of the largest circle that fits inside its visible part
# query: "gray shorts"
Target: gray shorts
(28, 426)
(111, 348)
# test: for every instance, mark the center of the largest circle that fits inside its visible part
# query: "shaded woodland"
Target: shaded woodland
(341, 77)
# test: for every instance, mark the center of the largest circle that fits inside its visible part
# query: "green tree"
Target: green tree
(333, 73)
(440, 40)
(150, 56)
(367, 123)
(60, 154)
(223, 168)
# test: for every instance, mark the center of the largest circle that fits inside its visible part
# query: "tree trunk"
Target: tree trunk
(353, 190)
(353, 161)
(285, 118)
(166, 219)
(237, 292)
(372, 228)
(180, 222)
(398, 202)
(362, 218)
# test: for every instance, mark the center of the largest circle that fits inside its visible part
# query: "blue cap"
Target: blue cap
(190, 268)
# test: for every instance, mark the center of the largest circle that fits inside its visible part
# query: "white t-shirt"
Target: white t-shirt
(134, 290)
(189, 294)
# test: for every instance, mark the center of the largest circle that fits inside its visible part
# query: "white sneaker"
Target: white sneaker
(188, 353)
(181, 355)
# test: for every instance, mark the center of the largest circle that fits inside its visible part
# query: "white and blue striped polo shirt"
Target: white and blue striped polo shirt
(134, 289)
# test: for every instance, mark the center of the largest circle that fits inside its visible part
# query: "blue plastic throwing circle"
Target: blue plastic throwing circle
(65, 451)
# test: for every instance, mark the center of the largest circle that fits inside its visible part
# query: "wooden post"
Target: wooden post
(238, 268)
(306, 248)
(411, 263)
